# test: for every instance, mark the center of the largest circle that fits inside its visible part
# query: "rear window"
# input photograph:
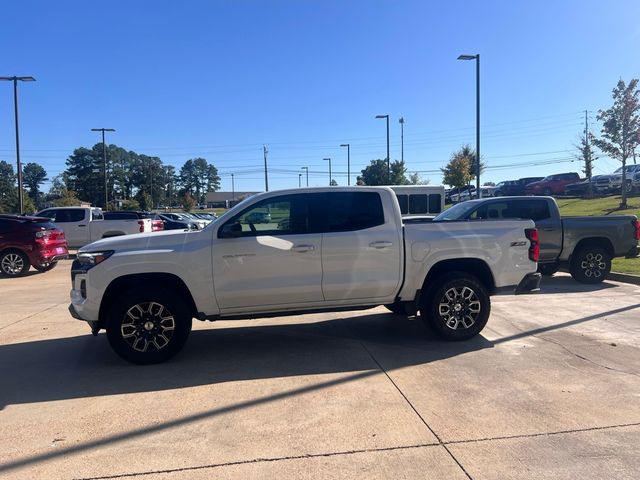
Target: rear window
(435, 203)
(403, 201)
(350, 211)
(119, 216)
(419, 204)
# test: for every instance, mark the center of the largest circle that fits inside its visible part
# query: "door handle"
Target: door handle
(303, 248)
(547, 229)
(82, 225)
(381, 244)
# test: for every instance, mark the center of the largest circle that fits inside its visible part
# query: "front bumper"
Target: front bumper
(529, 284)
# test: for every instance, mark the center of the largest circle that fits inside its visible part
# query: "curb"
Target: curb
(624, 277)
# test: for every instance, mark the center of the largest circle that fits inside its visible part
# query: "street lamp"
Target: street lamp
(348, 162)
(15, 80)
(388, 160)
(477, 59)
(401, 122)
(307, 169)
(104, 161)
(329, 169)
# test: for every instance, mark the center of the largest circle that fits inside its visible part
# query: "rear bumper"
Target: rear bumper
(633, 253)
(529, 284)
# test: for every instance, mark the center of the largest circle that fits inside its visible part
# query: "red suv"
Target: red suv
(26, 241)
(552, 185)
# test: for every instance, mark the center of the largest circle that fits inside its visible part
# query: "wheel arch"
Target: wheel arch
(167, 281)
(597, 241)
(474, 266)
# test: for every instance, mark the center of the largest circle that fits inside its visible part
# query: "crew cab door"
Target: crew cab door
(361, 247)
(270, 255)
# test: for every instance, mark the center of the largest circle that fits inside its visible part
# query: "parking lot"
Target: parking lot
(551, 389)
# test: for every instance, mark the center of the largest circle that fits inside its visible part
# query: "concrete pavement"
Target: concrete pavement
(549, 390)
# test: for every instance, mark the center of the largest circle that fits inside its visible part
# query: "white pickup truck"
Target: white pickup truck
(333, 248)
(83, 225)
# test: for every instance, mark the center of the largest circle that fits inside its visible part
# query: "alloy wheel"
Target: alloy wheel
(593, 265)
(12, 264)
(459, 307)
(148, 325)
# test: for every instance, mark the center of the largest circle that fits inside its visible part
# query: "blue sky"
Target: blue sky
(219, 79)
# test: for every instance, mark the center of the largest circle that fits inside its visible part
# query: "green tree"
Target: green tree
(34, 175)
(188, 202)
(376, 173)
(198, 177)
(457, 173)
(130, 204)
(586, 155)
(620, 133)
(67, 198)
(144, 200)
(8, 189)
(416, 179)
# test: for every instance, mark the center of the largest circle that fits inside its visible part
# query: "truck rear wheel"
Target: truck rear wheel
(148, 326)
(591, 264)
(458, 307)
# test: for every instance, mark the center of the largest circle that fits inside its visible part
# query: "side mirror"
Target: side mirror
(230, 230)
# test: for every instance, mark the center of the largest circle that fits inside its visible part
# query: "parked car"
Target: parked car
(156, 224)
(581, 188)
(613, 183)
(83, 225)
(463, 194)
(514, 187)
(552, 185)
(29, 241)
(343, 248)
(584, 245)
(172, 223)
(259, 217)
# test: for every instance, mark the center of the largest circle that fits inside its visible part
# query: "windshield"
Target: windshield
(456, 212)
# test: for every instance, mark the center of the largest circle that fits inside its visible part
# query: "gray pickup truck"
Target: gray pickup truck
(584, 245)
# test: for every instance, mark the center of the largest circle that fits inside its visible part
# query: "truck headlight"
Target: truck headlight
(91, 259)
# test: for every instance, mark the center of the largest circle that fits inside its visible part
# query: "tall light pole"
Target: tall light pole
(299, 180)
(307, 169)
(233, 189)
(266, 178)
(477, 59)
(15, 80)
(329, 169)
(401, 122)
(348, 162)
(104, 161)
(388, 160)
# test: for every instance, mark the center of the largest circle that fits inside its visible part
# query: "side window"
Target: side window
(418, 203)
(539, 210)
(49, 214)
(96, 215)
(69, 215)
(285, 215)
(403, 200)
(349, 211)
(435, 203)
(5, 225)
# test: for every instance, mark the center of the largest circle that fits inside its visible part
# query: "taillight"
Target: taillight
(141, 223)
(534, 248)
(636, 225)
(157, 225)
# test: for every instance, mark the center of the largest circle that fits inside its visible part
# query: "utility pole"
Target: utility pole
(348, 162)
(307, 170)
(266, 178)
(104, 161)
(15, 80)
(299, 180)
(587, 153)
(233, 189)
(328, 159)
(401, 121)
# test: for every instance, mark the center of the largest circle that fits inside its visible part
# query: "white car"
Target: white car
(613, 182)
(332, 248)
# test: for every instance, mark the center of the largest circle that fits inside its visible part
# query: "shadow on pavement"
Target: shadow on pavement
(76, 367)
(566, 284)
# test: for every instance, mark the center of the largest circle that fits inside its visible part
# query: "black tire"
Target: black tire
(547, 192)
(548, 269)
(629, 187)
(591, 264)
(396, 308)
(137, 317)
(45, 267)
(451, 291)
(13, 263)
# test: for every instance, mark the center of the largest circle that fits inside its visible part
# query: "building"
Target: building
(226, 199)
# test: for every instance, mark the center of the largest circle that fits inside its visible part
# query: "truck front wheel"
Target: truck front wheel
(148, 326)
(590, 264)
(457, 307)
